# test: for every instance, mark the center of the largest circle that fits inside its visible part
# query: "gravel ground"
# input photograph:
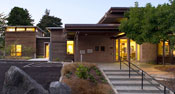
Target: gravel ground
(43, 73)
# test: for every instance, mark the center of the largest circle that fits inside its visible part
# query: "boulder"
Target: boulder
(18, 82)
(59, 88)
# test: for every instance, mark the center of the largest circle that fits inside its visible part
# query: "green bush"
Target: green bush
(57, 59)
(82, 72)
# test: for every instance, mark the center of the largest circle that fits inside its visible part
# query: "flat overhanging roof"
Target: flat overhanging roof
(54, 28)
(113, 15)
(91, 26)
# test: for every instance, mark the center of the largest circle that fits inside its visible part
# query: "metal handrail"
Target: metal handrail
(144, 77)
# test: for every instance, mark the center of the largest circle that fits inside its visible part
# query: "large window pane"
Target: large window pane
(70, 47)
(16, 50)
(30, 29)
(20, 29)
(133, 49)
(10, 29)
(160, 48)
(117, 50)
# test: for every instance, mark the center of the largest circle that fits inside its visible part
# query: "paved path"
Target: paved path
(122, 84)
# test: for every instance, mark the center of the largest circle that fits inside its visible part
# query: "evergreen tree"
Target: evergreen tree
(19, 16)
(49, 21)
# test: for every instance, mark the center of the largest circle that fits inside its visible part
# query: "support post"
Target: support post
(142, 79)
(120, 63)
(164, 89)
(128, 55)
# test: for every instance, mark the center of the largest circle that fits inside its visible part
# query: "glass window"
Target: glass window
(96, 48)
(16, 50)
(20, 29)
(10, 29)
(117, 41)
(138, 52)
(30, 29)
(70, 47)
(133, 49)
(160, 48)
(102, 48)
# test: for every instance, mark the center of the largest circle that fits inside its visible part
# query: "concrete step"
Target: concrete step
(141, 92)
(119, 70)
(127, 82)
(136, 88)
(113, 73)
(134, 84)
(121, 74)
(125, 85)
(126, 79)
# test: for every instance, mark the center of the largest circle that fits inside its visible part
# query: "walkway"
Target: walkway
(122, 84)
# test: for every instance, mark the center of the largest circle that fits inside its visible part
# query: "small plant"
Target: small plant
(57, 59)
(91, 77)
(68, 75)
(82, 72)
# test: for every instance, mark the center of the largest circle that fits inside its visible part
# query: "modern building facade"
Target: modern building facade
(24, 41)
(101, 42)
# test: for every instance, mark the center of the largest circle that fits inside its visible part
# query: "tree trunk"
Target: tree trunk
(163, 57)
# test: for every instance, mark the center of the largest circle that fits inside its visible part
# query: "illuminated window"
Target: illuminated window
(138, 52)
(117, 54)
(20, 29)
(16, 50)
(133, 49)
(160, 48)
(30, 29)
(121, 34)
(10, 29)
(47, 51)
(70, 47)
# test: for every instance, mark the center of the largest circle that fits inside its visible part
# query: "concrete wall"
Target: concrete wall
(58, 45)
(148, 52)
(26, 39)
(89, 42)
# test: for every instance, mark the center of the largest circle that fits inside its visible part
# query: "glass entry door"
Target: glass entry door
(123, 48)
(46, 50)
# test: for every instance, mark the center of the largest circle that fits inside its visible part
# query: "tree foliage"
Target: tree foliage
(19, 16)
(49, 21)
(150, 24)
(2, 24)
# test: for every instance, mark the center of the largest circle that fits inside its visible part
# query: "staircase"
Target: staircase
(120, 81)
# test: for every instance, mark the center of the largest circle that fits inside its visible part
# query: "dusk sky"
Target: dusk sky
(71, 11)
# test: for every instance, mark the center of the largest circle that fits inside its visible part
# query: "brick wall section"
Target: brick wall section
(148, 52)
(26, 39)
(40, 46)
(89, 42)
(58, 45)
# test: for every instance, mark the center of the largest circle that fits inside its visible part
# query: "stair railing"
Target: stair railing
(143, 75)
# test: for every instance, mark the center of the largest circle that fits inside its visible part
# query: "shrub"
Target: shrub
(57, 59)
(82, 72)
(84, 78)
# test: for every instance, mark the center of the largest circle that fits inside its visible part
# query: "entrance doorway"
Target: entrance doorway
(46, 50)
(122, 48)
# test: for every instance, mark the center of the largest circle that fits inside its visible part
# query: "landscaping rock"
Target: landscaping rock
(59, 88)
(18, 82)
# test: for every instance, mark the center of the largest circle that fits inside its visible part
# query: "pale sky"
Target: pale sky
(72, 11)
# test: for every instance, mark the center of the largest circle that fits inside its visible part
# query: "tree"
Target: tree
(49, 21)
(151, 24)
(19, 16)
(2, 36)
